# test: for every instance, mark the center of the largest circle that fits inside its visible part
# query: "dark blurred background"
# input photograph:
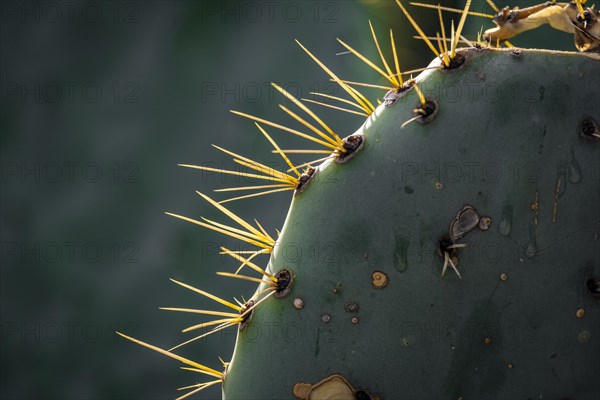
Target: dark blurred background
(100, 100)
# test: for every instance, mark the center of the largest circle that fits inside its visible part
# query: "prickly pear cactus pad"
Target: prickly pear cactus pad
(367, 240)
(447, 249)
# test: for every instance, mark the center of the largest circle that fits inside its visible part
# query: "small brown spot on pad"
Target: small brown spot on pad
(298, 303)
(351, 306)
(484, 223)
(302, 390)
(379, 279)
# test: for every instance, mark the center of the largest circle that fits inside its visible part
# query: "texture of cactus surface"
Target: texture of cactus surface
(498, 187)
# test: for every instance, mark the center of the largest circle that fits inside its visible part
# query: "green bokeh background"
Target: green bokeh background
(100, 102)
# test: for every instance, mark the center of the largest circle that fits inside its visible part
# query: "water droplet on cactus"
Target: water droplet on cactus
(401, 254)
(574, 170)
(506, 221)
(584, 336)
(531, 250)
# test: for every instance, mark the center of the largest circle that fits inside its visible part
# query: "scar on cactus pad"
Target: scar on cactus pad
(374, 320)
(465, 221)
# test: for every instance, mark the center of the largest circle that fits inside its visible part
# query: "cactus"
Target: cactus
(446, 249)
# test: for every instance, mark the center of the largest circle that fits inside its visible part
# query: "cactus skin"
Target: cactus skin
(422, 337)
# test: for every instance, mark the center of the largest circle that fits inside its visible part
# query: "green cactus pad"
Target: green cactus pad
(510, 166)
